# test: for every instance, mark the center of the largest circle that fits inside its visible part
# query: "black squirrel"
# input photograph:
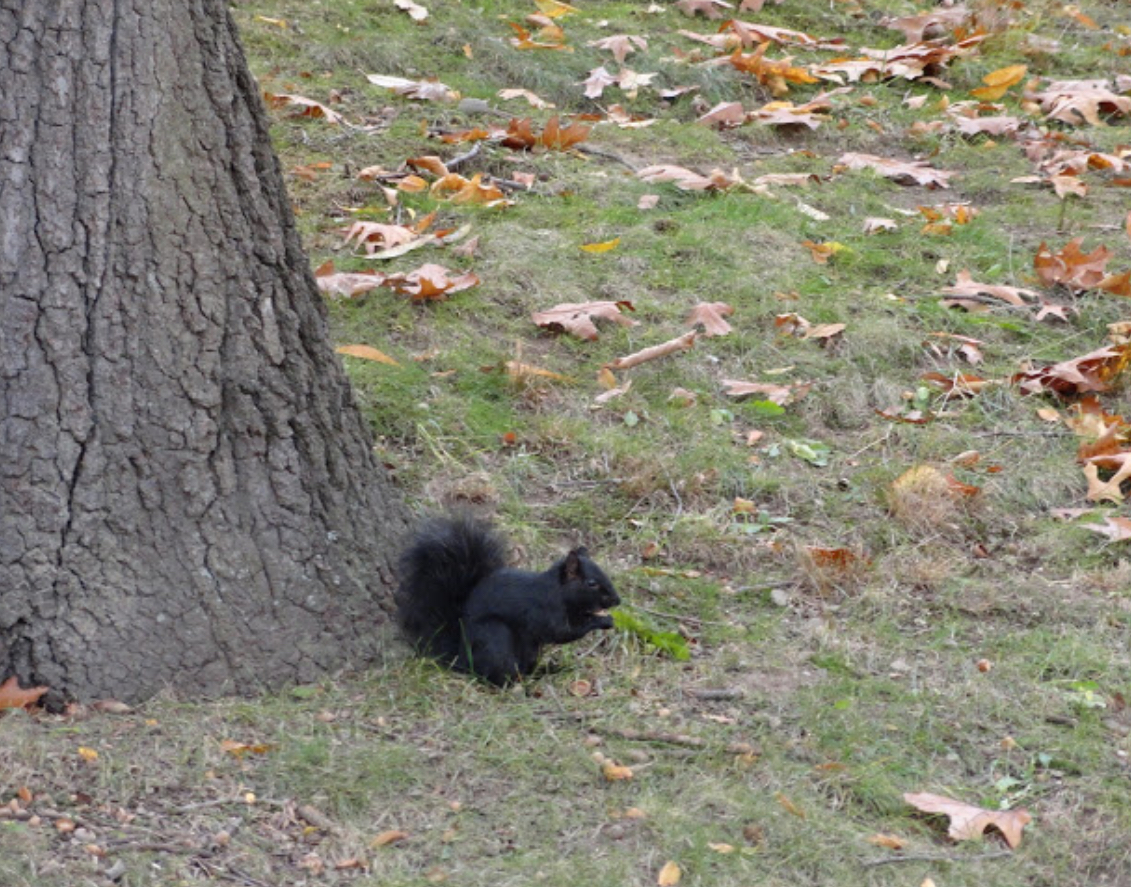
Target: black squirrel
(460, 604)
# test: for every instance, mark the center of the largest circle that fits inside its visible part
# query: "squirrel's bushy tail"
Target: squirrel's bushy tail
(446, 559)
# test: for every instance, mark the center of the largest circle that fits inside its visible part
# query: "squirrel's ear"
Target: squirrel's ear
(571, 566)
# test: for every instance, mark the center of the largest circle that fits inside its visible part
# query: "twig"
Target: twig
(935, 857)
(463, 158)
(681, 739)
(715, 692)
(694, 620)
(608, 155)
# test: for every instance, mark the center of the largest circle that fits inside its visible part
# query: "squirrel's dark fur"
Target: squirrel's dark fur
(460, 604)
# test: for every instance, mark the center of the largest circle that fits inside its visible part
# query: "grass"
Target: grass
(851, 686)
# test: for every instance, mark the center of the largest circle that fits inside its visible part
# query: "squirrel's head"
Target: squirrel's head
(588, 581)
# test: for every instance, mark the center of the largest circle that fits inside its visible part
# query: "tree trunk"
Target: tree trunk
(188, 494)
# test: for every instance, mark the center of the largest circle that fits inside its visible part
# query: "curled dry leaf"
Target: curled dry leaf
(969, 822)
(346, 283)
(392, 836)
(672, 346)
(875, 225)
(1081, 101)
(614, 772)
(685, 179)
(307, 107)
(890, 841)
(709, 8)
(415, 11)
(430, 282)
(929, 25)
(903, 172)
(1117, 529)
(1072, 267)
(577, 318)
(1109, 490)
(420, 90)
(533, 100)
(1091, 372)
(971, 294)
(782, 395)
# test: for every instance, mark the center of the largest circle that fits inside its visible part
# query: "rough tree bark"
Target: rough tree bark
(188, 494)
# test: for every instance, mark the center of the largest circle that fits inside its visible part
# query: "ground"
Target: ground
(873, 579)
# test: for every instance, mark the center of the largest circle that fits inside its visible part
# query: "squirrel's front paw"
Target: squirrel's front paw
(602, 622)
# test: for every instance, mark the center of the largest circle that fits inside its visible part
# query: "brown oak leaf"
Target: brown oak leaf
(710, 315)
(969, 822)
(577, 318)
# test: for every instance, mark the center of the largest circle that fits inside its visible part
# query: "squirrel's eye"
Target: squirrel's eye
(592, 583)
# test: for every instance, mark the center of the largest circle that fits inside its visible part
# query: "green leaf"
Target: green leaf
(666, 641)
(765, 408)
(812, 451)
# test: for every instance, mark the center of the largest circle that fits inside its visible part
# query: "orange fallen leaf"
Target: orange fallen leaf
(998, 82)
(967, 821)
(366, 353)
(614, 772)
(789, 806)
(11, 696)
(392, 836)
(601, 247)
(308, 107)
(669, 875)
(239, 749)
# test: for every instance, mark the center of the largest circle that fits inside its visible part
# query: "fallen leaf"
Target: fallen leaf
(710, 315)
(239, 749)
(1081, 101)
(903, 172)
(601, 247)
(577, 318)
(430, 282)
(969, 822)
(672, 346)
(998, 82)
(11, 696)
(385, 838)
(1117, 529)
(874, 225)
(614, 772)
(782, 395)
(1093, 371)
(1072, 267)
(308, 107)
(366, 353)
(620, 45)
(533, 100)
(420, 90)
(416, 12)
(670, 873)
(709, 8)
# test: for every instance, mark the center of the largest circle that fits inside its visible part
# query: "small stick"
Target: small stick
(715, 692)
(682, 739)
(463, 158)
(935, 857)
